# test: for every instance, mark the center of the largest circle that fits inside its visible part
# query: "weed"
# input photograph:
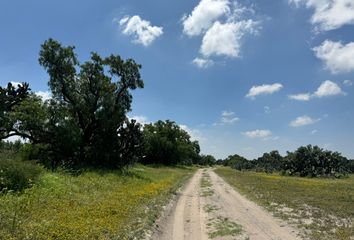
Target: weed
(224, 227)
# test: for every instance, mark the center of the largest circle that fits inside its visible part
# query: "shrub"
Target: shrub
(313, 161)
(17, 175)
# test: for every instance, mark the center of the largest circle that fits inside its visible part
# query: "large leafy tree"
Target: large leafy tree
(166, 143)
(87, 113)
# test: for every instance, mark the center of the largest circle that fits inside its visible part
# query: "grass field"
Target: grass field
(93, 205)
(321, 208)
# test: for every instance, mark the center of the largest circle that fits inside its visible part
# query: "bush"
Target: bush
(313, 161)
(17, 175)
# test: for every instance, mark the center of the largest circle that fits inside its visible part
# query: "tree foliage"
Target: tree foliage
(10, 97)
(314, 161)
(310, 161)
(166, 143)
(85, 122)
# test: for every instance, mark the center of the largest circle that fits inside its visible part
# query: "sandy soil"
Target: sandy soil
(209, 208)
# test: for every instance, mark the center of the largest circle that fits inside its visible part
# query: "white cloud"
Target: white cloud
(266, 109)
(348, 83)
(203, 62)
(223, 24)
(44, 95)
(258, 133)
(225, 38)
(264, 90)
(300, 97)
(337, 57)
(195, 134)
(140, 119)
(313, 132)
(329, 14)
(328, 88)
(203, 16)
(227, 117)
(15, 84)
(303, 121)
(141, 30)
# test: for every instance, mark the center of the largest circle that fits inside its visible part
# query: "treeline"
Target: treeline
(310, 161)
(85, 123)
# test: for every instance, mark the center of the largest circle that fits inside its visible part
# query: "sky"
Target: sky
(242, 77)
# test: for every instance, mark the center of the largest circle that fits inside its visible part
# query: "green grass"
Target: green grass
(222, 227)
(93, 205)
(322, 208)
(206, 185)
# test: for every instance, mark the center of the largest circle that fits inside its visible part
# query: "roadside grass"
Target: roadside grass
(92, 205)
(321, 208)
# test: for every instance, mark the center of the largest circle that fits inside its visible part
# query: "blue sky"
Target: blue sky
(242, 77)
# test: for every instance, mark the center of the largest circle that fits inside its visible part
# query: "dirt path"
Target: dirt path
(209, 208)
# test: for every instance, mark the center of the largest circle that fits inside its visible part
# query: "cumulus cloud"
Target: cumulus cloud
(328, 88)
(227, 117)
(223, 25)
(329, 14)
(141, 30)
(303, 121)
(348, 83)
(264, 89)
(203, 16)
(300, 97)
(225, 38)
(45, 95)
(195, 134)
(203, 62)
(337, 57)
(258, 133)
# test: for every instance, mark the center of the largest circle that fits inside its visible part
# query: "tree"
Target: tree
(238, 162)
(207, 160)
(10, 97)
(85, 122)
(166, 143)
(270, 162)
(313, 161)
(88, 109)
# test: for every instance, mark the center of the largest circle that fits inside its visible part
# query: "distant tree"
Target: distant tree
(207, 160)
(313, 161)
(269, 162)
(238, 162)
(350, 166)
(166, 143)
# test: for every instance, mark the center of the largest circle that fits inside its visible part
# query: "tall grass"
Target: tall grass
(93, 205)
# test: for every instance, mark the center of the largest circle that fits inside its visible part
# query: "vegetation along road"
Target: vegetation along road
(209, 208)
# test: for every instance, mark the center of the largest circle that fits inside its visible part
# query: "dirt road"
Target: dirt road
(209, 208)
